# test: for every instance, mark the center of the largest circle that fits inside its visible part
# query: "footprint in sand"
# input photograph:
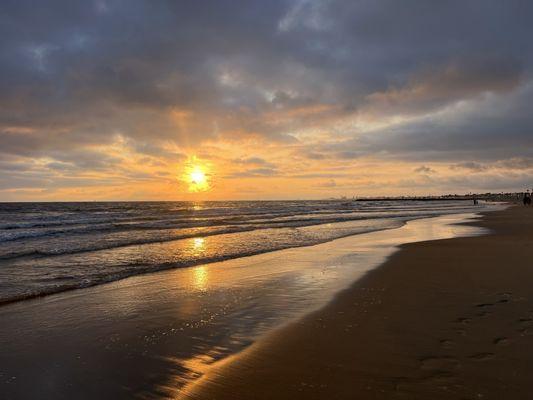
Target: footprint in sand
(439, 370)
(525, 332)
(439, 364)
(484, 314)
(484, 305)
(481, 356)
(463, 320)
(505, 297)
(527, 328)
(501, 341)
(460, 332)
(446, 343)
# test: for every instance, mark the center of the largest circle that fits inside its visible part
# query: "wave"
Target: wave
(95, 245)
(139, 269)
(57, 226)
(106, 242)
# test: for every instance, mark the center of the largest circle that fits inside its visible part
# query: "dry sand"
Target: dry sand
(447, 319)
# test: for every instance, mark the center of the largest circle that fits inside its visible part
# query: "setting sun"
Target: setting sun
(196, 176)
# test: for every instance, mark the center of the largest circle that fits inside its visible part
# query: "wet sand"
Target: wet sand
(446, 319)
(148, 336)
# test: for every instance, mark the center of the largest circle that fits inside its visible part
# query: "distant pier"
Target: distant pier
(470, 197)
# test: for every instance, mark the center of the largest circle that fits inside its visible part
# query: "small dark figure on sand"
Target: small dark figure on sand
(527, 199)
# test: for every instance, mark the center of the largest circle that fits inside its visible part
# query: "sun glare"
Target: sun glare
(197, 177)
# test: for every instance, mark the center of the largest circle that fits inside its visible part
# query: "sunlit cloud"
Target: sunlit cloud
(254, 99)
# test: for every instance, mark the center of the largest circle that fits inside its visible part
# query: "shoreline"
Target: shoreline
(176, 323)
(402, 221)
(461, 330)
(214, 260)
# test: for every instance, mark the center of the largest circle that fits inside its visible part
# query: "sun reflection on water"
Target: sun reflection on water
(198, 245)
(200, 278)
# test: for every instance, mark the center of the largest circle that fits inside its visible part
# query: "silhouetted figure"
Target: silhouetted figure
(527, 199)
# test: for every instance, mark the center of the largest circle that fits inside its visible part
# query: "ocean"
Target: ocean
(52, 247)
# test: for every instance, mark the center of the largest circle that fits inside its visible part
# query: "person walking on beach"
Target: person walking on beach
(527, 198)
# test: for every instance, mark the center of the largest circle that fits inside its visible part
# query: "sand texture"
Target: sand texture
(445, 319)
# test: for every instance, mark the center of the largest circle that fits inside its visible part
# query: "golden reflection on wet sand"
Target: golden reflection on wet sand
(322, 268)
(178, 324)
(200, 278)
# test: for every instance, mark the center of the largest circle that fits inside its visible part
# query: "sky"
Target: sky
(253, 99)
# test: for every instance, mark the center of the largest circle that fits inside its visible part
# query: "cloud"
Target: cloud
(512, 164)
(155, 150)
(336, 79)
(314, 155)
(486, 128)
(424, 170)
(430, 89)
(327, 184)
(254, 173)
(469, 165)
(258, 161)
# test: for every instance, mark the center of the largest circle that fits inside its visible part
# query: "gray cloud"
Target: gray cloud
(424, 170)
(327, 184)
(167, 75)
(470, 166)
(255, 172)
(517, 163)
(258, 161)
(489, 128)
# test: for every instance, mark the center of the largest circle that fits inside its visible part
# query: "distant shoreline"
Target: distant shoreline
(420, 198)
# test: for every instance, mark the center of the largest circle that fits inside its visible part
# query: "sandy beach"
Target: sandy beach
(295, 199)
(446, 319)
